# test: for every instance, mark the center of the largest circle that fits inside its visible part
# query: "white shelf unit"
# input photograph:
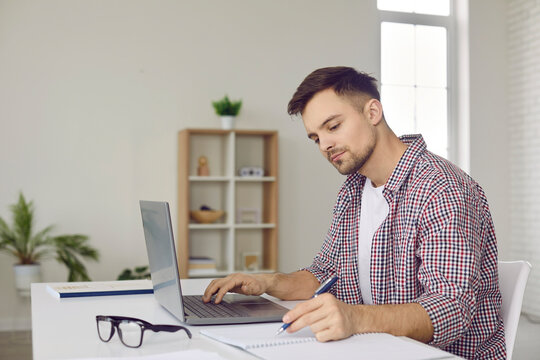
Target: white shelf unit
(223, 189)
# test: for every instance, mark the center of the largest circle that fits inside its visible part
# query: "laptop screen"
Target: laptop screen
(159, 239)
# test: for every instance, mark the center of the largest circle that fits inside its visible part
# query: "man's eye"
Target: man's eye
(316, 141)
(334, 127)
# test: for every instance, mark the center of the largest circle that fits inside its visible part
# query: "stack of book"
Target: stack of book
(201, 265)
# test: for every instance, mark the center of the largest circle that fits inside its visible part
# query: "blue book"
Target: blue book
(100, 288)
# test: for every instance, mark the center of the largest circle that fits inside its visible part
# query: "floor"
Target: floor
(15, 345)
(527, 346)
(18, 344)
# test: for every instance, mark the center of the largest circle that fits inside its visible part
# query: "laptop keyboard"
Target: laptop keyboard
(210, 310)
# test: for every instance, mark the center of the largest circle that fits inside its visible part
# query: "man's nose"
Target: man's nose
(326, 144)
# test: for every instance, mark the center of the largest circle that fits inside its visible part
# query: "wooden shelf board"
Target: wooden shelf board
(254, 178)
(209, 178)
(223, 273)
(209, 226)
(254, 226)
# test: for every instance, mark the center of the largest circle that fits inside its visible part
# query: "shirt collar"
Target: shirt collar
(416, 146)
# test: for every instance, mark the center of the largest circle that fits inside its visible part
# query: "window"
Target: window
(414, 69)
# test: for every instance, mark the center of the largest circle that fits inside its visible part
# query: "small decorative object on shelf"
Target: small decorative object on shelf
(227, 110)
(248, 216)
(250, 261)
(203, 169)
(251, 171)
(206, 215)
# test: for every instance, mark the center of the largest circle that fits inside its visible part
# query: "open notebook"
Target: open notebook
(260, 340)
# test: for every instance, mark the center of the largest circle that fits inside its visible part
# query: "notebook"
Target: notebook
(160, 246)
(261, 340)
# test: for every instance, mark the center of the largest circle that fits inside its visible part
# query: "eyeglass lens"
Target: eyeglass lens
(105, 329)
(130, 333)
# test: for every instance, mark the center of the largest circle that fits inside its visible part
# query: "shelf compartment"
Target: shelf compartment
(260, 197)
(212, 194)
(256, 149)
(215, 147)
(256, 240)
(211, 243)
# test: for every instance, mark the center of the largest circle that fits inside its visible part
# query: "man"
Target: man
(411, 239)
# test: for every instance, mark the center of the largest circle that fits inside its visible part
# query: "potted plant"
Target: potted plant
(138, 273)
(30, 247)
(227, 110)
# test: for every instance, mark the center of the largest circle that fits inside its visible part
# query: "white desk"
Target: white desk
(66, 328)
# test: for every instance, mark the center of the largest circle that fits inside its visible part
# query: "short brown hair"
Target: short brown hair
(344, 80)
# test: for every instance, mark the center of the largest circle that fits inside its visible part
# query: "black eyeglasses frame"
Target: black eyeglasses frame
(145, 325)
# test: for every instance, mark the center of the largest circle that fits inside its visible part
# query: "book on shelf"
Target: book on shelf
(202, 263)
(100, 288)
(261, 340)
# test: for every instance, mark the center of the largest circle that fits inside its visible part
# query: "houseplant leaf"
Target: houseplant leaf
(19, 241)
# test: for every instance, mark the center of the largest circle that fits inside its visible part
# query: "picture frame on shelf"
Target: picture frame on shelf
(250, 261)
(248, 216)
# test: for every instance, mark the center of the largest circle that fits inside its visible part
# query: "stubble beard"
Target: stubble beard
(356, 161)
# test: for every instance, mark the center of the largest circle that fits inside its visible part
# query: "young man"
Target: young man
(411, 239)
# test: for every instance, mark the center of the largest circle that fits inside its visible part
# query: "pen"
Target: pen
(325, 286)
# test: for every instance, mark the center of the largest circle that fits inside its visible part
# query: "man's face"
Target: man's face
(344, 134)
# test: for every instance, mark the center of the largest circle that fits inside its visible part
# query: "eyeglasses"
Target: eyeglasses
(130, 330)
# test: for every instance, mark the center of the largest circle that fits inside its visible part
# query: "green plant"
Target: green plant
(29, 248)
(138, 273)
(226, 107)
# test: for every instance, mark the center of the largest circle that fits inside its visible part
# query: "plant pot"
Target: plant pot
(227, 122)
(26, 275)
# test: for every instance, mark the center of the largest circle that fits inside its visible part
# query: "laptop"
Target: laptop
(190, 309)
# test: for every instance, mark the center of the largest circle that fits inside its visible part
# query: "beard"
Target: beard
(355, 162)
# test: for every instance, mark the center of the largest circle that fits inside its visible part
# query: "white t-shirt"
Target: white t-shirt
(373, 211)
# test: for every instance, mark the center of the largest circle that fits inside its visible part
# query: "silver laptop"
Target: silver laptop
(234, 308)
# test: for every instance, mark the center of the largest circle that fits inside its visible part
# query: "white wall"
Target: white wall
(92, 94)
(489, 148)
(524, 127)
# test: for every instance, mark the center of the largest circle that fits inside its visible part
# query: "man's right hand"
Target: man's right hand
(237, 283)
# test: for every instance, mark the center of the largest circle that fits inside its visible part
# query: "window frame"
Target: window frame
(447, 22)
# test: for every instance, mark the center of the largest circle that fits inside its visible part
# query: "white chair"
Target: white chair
(512, 281)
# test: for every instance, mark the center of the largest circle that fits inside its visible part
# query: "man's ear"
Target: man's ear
(374, 111)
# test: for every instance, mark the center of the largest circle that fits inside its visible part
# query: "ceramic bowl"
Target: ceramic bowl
(206, 216)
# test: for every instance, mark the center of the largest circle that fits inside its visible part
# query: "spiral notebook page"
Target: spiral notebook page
(260, 340)
(257, 335)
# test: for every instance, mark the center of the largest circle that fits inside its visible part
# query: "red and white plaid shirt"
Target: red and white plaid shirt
(437, 247)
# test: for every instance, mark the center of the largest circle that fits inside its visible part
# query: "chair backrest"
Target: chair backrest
(512, 281)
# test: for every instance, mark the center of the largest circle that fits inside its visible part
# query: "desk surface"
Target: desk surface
(66, 328)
